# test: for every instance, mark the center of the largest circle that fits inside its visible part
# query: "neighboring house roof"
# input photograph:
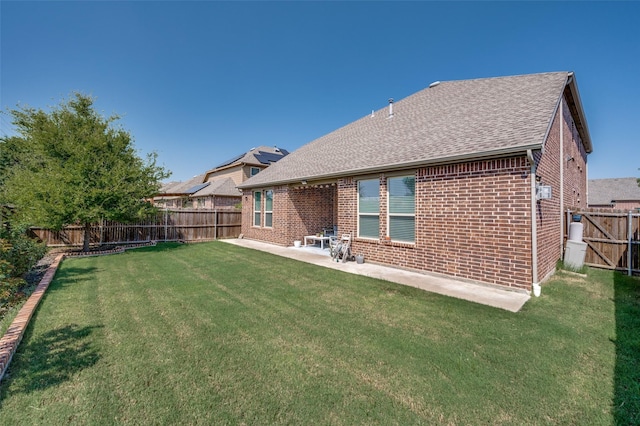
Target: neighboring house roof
(446, 122)
(194, 187)
(183, 188)
(262, 155)
(609, 191)
(225, 187)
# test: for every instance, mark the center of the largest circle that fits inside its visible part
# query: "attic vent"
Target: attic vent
(276, 149)
(390, 107)
(434, 84)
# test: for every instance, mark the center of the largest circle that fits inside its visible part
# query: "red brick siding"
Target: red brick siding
(550, 218)
(548, 215)
(575, 173)
(347, 214)
(472, 221)
(296, 213)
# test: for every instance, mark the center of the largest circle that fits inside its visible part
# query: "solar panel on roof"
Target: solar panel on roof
(197, 188)
(233, 160)
(269, 157)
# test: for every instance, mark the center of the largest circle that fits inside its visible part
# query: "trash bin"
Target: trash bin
(574, 254)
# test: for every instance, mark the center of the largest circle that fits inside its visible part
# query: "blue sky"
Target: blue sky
(199, 82)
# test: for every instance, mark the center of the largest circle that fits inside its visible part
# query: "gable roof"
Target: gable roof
(446, 122)
(226, 187)
(608, 191)
(262, 155)
(187, 187)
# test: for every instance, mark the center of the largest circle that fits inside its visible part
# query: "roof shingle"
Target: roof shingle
(608, 191)
(448, 121)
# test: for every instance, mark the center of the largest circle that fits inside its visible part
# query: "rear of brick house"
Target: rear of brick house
(443, 181)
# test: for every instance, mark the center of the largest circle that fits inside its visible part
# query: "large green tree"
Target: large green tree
(71, 165)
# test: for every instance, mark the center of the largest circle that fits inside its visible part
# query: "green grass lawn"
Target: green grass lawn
(214, 333)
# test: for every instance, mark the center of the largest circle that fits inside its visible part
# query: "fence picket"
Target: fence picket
(166, 225)
(613, 239)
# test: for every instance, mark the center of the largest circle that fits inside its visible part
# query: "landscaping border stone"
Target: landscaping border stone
(11, 339)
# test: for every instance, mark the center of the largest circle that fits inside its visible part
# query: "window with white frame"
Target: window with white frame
(257, 208)
(401, 206)
(268, 208)
(369, 208)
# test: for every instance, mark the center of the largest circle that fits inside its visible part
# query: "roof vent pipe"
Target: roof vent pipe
(390, 107)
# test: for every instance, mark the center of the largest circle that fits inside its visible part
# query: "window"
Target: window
(369, 208)
(257, 204)
(200, 203)
(402, 208)
(254, 171)
(268, 208)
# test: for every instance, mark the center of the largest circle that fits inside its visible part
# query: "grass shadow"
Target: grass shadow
(627, 371)
(68, 275)
(50, 359)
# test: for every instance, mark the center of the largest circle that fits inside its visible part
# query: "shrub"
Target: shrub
(18, 254)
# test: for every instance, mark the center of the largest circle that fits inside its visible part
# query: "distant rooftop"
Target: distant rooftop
(262, 155)
(609, 191)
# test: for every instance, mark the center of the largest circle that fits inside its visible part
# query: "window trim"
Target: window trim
(259, 211)
(268, 212)
(389, 214)
(359, 214)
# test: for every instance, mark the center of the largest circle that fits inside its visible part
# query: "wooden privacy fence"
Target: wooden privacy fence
(612, 237)
(166, 225)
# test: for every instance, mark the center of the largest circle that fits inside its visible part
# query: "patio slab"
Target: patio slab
(473, 292)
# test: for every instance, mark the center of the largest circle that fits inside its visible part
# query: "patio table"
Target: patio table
(316, 238)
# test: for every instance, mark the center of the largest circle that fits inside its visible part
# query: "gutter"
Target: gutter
(504, 152)
(534, 225)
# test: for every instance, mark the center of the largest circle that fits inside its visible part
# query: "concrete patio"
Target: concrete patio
(473, 292)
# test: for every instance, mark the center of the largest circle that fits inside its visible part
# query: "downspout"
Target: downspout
(534, 226)
(562, 161)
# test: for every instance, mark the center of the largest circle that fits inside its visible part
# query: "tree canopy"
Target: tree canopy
(73, 166)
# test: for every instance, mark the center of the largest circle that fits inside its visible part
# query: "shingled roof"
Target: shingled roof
(183, 188)
(446, 122)
(195, 187)
(262, 155)
(609, 191)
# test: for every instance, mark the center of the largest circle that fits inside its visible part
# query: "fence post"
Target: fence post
(215, 224)
(166, 213)
(629, 245)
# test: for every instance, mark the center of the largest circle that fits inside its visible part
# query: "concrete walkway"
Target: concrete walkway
(478, 293)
